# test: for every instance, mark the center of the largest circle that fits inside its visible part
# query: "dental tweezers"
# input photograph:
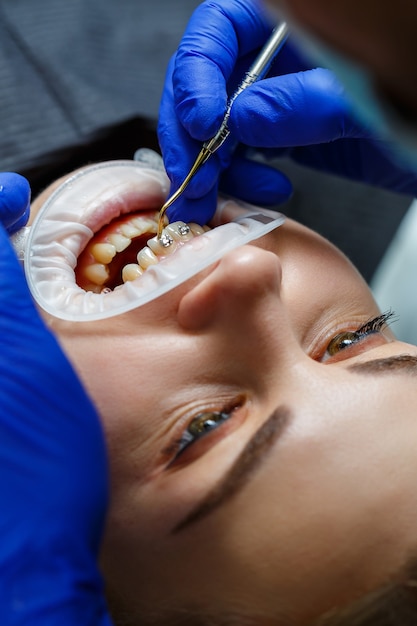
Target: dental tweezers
(257, 71)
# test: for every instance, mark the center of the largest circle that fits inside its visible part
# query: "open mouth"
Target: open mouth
(122, 250)
(92, 251)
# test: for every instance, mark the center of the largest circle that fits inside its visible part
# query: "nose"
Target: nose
(241, 291)
(243, 281)
(238, 314)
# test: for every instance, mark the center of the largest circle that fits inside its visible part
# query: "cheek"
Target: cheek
(120, 380)
(108, 379)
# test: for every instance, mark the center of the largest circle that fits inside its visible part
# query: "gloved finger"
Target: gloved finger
(179, 152)
(14, 200)
(305, 108)
(217, 35)
(199, 209)
(255, 182)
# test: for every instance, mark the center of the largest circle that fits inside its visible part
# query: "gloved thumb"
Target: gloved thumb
(14, 200)
(304, 108)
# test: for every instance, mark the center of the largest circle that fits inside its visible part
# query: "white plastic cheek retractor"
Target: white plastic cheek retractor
(93, 197)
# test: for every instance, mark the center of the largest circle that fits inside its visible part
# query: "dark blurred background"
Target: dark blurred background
(80, 81)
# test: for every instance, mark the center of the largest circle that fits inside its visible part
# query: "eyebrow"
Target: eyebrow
(400, 363)
(244, 467)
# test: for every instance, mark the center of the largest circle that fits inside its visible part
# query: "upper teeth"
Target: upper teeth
(120, 242)
(163, 246)
(179, 231)
(130, 230)
(166, 240)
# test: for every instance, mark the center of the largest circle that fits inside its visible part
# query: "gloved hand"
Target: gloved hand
(14, 201)
(53, 468)
(303, 112)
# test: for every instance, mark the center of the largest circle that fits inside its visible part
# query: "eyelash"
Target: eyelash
(187, 438)
(375, 325)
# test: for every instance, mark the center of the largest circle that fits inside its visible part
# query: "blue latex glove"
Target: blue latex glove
(14, 201)
(303, 112)
(53, 467)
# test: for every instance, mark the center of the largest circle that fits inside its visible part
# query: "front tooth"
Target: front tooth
(96, 273)
(180, 231)
(131, 271)
(103, 252)
(163, 246)
(196, 229)
(129, 230)
(146, 258)
(144, 225)
(120, 242)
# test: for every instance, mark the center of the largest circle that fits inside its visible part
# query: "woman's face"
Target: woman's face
(258, 464)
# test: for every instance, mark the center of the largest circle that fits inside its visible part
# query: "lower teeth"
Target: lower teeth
(131, 271)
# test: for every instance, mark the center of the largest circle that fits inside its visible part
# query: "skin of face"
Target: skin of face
(379, 36)
(329, 510)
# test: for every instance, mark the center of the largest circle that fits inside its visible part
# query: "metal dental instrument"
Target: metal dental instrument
(257, 71)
